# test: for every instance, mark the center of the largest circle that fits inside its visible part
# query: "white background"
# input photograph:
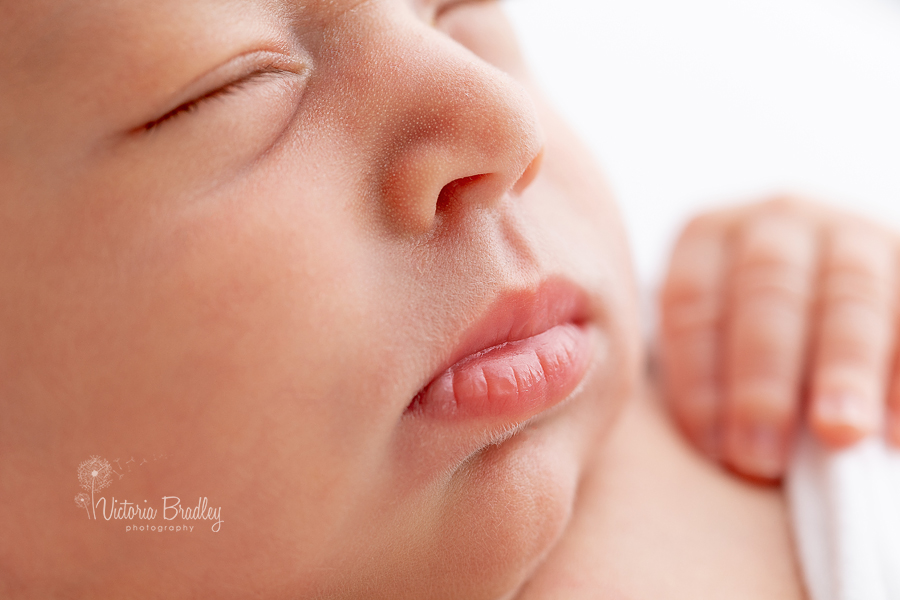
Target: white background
(696, 103)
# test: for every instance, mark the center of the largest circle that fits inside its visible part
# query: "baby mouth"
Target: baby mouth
(530, 353)
(516, 379)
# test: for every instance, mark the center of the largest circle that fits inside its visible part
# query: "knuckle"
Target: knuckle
(775, 260)
(868, 384)
(857, 295)
(698, 258)
(777, 240)
(765, 347)
(691, 294)
(682, 318)
(859, 267)
(768, 399)
(855, 286)
(685, 285)
(772, 283)
(687, 307)
(772, 366)
(859, 240)
(856, 352)
(854, 333)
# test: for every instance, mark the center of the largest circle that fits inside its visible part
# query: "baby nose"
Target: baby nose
(459, 134)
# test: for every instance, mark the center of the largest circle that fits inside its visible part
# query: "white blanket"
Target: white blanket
(845, 507)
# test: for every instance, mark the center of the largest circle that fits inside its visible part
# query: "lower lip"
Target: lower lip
(515, 380)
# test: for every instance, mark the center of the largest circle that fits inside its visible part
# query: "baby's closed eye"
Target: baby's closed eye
(222, 121)
(237, 86)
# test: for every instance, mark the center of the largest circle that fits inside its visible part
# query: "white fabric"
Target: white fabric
(845, 507)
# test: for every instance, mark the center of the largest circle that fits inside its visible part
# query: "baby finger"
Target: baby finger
(766, 331)
(855, 335)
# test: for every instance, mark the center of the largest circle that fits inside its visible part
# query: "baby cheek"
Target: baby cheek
(284, 302)
(256, 321)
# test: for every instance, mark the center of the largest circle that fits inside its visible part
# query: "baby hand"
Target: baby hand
(775, 312)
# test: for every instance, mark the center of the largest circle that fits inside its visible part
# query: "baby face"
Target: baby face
(271, 241)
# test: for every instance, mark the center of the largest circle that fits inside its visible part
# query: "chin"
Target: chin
(479, 536)
(508, 507)
(515, 500)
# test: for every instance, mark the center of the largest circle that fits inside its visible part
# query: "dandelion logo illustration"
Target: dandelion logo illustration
(94, 474)
(83, 500)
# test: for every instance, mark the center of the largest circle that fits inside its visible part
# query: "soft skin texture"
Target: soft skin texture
(652, 521)
(252, 289)
(779, 312)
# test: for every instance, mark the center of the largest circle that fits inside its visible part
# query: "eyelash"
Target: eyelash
(225, 90)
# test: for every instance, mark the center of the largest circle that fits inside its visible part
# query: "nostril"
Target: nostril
(452, 193)
(530, 173)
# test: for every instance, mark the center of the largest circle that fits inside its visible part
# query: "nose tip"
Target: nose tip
(473, 159)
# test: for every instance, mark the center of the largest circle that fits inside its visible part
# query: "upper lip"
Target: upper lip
(517, 315)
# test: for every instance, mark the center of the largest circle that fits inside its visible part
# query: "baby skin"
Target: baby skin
(340, 264)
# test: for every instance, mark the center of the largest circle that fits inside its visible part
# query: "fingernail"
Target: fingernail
(760, 450)
(847, 409)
